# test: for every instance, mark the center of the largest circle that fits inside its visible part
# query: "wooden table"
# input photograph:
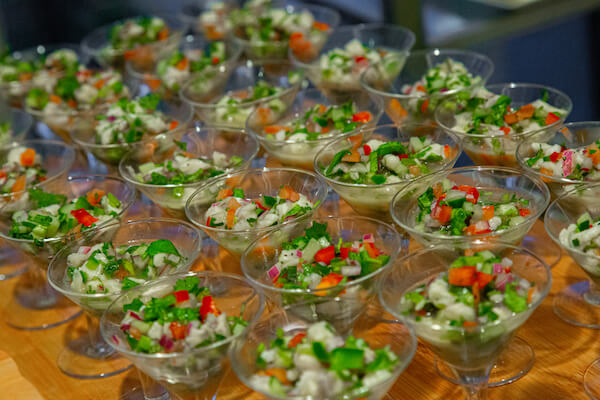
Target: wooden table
(29, 371)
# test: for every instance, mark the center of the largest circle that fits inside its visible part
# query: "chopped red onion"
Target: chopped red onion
(166, 342)
(299, 253)
(274, 272)
(498, 268)
(125, 327)
(507, 262)
(368, 238)
(111, 118)
(351, 270)
(482, 226)
(442, 90)
(84, 249)
(134, 315)
(115, 339)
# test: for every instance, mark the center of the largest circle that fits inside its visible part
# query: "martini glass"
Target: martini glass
(35, 304)
(255, 183)
(195, 374)
(89, 356)
(56, 158)
(470, 352)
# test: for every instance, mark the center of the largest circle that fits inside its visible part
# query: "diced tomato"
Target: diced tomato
(173, 125)
(483, 279)
(424, 106)
(208, 307)
(288, 193)
(360, 59)
(325, 255)
(488, 212)
(178, 330)
(442, 213)
(551, 118)
(321, 26)
(421, 88)
(83, 217)
(362, 116)
(402, 156)
(469, 324)
(554, 157)
(505, 129)
(27, 157)
(525, 112)
(344, 252)
(181, 296)
(224, 193)
(215, 60)
(472, 193)
(273, 129)
(367, 149)
(296, 340)
(94, 196)
(331, 280)
(463, 276)
(353, 157)
(523, 212)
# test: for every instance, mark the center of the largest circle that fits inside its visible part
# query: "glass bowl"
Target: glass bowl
(340, 305)
(572, 135)
(578, 303)
(33, 305)
(401, 107)
(498, 180)
(258, 50)
(84, 135)
(200, 142)
(302, 154)
(469, 351)
(56, 158)
(204, 102)
(96, 44)
(93, 357)
(374, 200)
(494, 149)
(209, 18)
(399, 338)
(193, 374)
(214, 76)
(19, 122)
(255, 183)
(377, 36)
(14, 92)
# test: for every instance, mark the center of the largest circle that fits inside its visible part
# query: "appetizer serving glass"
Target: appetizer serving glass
(214, 75)
(89, 356)
(193, 374)
(399, 338)
(571, 135)
(377, 36)
(204, 98)
(339, 305)
(35, 304)
(497, 180)
(374, 200)
(274, 50)
(20, 122)
(490, 149)
(255, 183)
(400, 107)
(84, 135)
(97, 45)
(201, 142)
(470, 352)
(302, 154)
(579, 303)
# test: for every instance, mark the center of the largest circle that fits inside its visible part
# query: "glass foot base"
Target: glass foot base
(19, 316)
(571, 306)
(11, 263)
(591, 380)
(80, 360)
(514, 363)
(539, 243)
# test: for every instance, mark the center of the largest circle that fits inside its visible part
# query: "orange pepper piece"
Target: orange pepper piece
(353, 157)
(94, 196)
(27, 157)
(287, 193)
(224, 193)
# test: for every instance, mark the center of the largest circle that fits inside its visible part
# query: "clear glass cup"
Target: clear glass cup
(204, 101)
(402, 108)
(35, 305)
(96, 45)
(302, 154)
(57, 159)
(217, 29)
(89, 356)
(340, 305)
(490, 149)
(579, 303)
(469, 351)
(201, 142)
(571, 135)
(150, 81)
(255, 183)
(84, 136)
(498, 180)
(274, 50)
(20, 123)
(378, 36)
(374, 200)
(399, 338)
(194, 374)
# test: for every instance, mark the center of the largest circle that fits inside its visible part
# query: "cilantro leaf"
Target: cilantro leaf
(161, 246)
(149, 102)
(44, 199)
(317, 231)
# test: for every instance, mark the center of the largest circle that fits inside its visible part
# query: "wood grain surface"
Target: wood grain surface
(28, 367)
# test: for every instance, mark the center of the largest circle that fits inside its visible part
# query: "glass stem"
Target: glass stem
(152, 389)
(98, 347)
(474, 382)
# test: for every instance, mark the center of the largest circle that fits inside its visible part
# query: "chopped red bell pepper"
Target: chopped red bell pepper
(523, 212)
(208, 221)
(84, 217)
(552, 118)
(344, 252)
(325, 255)
(208, 307)
(362, 116)
(178, 331)
(483, 279)
(472, 193)
(401, 156)
(442, 213)
(181, 296)
(463, 276)
(554, 157)
(360, 59)
(367, 149)
(215, 60)
(328, 281)
(296, 340)
(505, 129)
(372, 250)
(259, 205)
(424, 106)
